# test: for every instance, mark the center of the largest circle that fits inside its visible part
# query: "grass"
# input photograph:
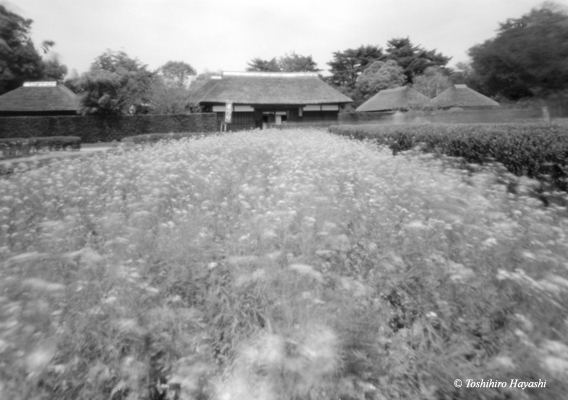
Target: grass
(277, 265)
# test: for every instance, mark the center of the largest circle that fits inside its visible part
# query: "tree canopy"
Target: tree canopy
(176, 72)
(19, 60)
(432, 82)
(260, 65)
(297, 63)
(114, 83)
(413, 59)
(528, 55)
(347, 65)
(288, 63)
(378, 76)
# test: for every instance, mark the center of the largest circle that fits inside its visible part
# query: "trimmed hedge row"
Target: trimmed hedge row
(18, 147)
(104, 128)
(537, 150)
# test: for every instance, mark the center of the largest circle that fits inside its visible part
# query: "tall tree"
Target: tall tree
(378, 76)
(528, 55)
(114, 83)
(413, 59)
(347, 65)
(432, 82)
(260, 65)
(169, 91)
(176, 73)
(297, 63)
(19, 60)
(51, 67)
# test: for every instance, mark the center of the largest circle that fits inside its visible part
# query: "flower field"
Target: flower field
(277, 265)
(537, 150)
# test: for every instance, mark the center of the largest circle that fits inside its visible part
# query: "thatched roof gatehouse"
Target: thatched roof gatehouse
(400, 98)
(260, 99)
(39, 98)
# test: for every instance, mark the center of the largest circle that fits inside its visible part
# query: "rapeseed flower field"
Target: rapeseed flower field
(277, 265)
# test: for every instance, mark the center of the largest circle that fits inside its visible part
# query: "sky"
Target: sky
(224, 35)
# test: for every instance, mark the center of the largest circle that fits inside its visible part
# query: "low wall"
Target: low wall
(105, 128)
(447, 117)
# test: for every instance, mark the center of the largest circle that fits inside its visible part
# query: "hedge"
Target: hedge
(537, 150)
(104, 128)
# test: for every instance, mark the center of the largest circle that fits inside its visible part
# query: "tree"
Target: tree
(432, 82)
(413, 59)
(176, 73)
(53, 70)
(378, 76)
(297, 63)
(260, 65)
(165, 98)
(528, 55)
(19, 60)
(463, 73)
(114, 83)
(349, 64)
(51, 67)
(169, 91)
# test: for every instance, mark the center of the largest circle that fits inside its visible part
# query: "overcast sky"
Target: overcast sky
(225, 35)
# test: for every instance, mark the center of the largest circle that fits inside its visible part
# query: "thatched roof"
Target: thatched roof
(403, 97)
(462, 96)
(39, 97)
(300, 88)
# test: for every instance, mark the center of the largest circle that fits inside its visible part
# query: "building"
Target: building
(39, 99)
(262, 99)
(400, 98)
(463, 97)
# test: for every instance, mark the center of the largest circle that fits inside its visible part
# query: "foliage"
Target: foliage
(53, 70)
(463, 73)
(297, 63)
(539, 151)
(19, 60)
(165, 98)
(169, 92)
(260, 65)
(276, 265)
(347, 65)
(528, 55)
(432, 82)
(288, 63)
(413, 59)
(378, 76)
(176, 73)
(114, 83)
